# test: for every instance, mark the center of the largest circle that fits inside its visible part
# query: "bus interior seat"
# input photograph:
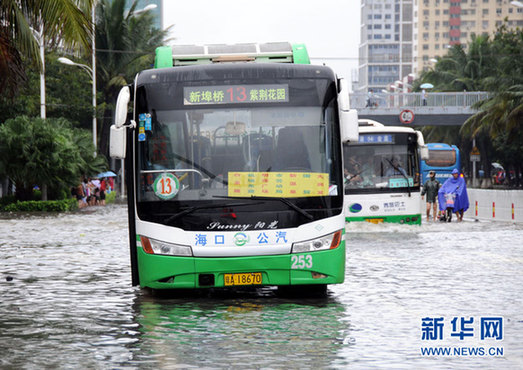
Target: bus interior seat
(201, 154)
(291, 151)
(258, 150)
(227, 154)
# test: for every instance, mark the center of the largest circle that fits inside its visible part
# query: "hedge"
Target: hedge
(111, 197)
(42, 206)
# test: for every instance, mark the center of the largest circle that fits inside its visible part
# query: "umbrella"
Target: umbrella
(426, 85)
(106, 174)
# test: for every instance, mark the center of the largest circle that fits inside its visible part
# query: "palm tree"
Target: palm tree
(63, 21)
(500, 117)
(125, 44)
(494, 65)
(460, 70)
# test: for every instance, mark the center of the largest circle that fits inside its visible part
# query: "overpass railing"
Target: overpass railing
(400, 100)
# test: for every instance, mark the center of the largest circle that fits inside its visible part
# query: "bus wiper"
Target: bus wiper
(205, 206)
(402, 174)
(283, 200)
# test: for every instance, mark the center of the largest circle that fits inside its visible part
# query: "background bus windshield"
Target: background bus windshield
(388, 165)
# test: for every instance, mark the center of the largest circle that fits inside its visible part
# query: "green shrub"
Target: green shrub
(42, 206)
(111, 197)
(8, 199)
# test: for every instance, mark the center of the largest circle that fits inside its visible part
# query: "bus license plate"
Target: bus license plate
(374, 220)
(250, 278)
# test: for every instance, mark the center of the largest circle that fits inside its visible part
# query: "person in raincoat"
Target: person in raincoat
(452, 196)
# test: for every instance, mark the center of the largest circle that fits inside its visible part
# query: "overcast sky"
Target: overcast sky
(329, 28)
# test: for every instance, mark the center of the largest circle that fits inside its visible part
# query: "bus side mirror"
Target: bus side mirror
(118, 138)
(423, 149)
(424, 152)
(348, 117)
(349, 126)
(122, 102)
(117, 142)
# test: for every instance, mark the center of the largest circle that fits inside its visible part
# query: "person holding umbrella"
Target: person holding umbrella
(424, 92)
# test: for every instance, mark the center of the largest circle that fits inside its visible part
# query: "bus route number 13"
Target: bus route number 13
(166, 186)
(301, 262)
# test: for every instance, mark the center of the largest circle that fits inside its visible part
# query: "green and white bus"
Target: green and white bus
(382, 174)
(234, 168)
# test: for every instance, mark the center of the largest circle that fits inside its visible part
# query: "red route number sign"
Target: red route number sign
(406, 116)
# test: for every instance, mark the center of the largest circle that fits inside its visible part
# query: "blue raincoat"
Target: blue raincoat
(458, 187)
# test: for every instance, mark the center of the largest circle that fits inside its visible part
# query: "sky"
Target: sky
(330, 29)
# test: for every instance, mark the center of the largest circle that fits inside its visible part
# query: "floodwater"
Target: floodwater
(67, 302)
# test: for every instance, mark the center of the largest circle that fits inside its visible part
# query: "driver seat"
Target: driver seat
(291, 151)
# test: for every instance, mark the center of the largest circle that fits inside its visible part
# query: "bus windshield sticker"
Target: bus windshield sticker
(235, 94)
(166, 186)
(145, 120)
(148, 122)
(400, 183)
(278, 184)
(141, 130)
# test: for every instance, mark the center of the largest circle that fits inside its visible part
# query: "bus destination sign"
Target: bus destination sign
(235, 94)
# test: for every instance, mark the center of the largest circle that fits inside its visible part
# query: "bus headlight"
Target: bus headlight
(329, 241)
(152, 246)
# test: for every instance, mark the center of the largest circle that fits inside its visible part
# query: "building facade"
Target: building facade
(386, 45)
(443, 23)
(401, 38)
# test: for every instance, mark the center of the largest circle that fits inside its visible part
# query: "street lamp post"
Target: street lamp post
(92, 73)
(39, 35)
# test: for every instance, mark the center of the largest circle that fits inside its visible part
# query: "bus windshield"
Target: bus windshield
(441, 158)
(193, 153)
(390, 165)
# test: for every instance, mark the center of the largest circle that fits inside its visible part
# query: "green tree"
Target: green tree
(462, 70)
(501, 115)
(68, 95)
(63, 21)
(125, 44)
(495, 65)
(49, 153)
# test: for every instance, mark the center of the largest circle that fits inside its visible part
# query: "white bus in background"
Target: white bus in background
(382, 174)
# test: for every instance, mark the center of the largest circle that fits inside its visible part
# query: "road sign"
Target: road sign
(475, 158)
(406, 116)
(475, 151)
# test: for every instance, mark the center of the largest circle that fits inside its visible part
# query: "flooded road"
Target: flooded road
(67, 302)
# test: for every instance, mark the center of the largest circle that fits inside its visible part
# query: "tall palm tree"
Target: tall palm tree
(462, 70)
(63, 21)
(125, 44)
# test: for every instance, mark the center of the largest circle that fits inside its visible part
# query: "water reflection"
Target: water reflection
(239, 331)
(69, 302)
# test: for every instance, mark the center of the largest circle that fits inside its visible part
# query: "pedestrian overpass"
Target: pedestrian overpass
(439, 108)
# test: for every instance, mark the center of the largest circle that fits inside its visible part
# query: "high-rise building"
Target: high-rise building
(401, 38)
(443, 23)
(386, 45)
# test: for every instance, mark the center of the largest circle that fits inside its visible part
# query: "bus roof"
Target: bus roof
(368, 125)
(441, 146)
(271, 52)
(363, 122)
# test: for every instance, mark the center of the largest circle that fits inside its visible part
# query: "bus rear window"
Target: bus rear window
(441, 158)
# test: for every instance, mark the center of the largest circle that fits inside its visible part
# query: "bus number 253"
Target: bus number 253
(301, 261)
